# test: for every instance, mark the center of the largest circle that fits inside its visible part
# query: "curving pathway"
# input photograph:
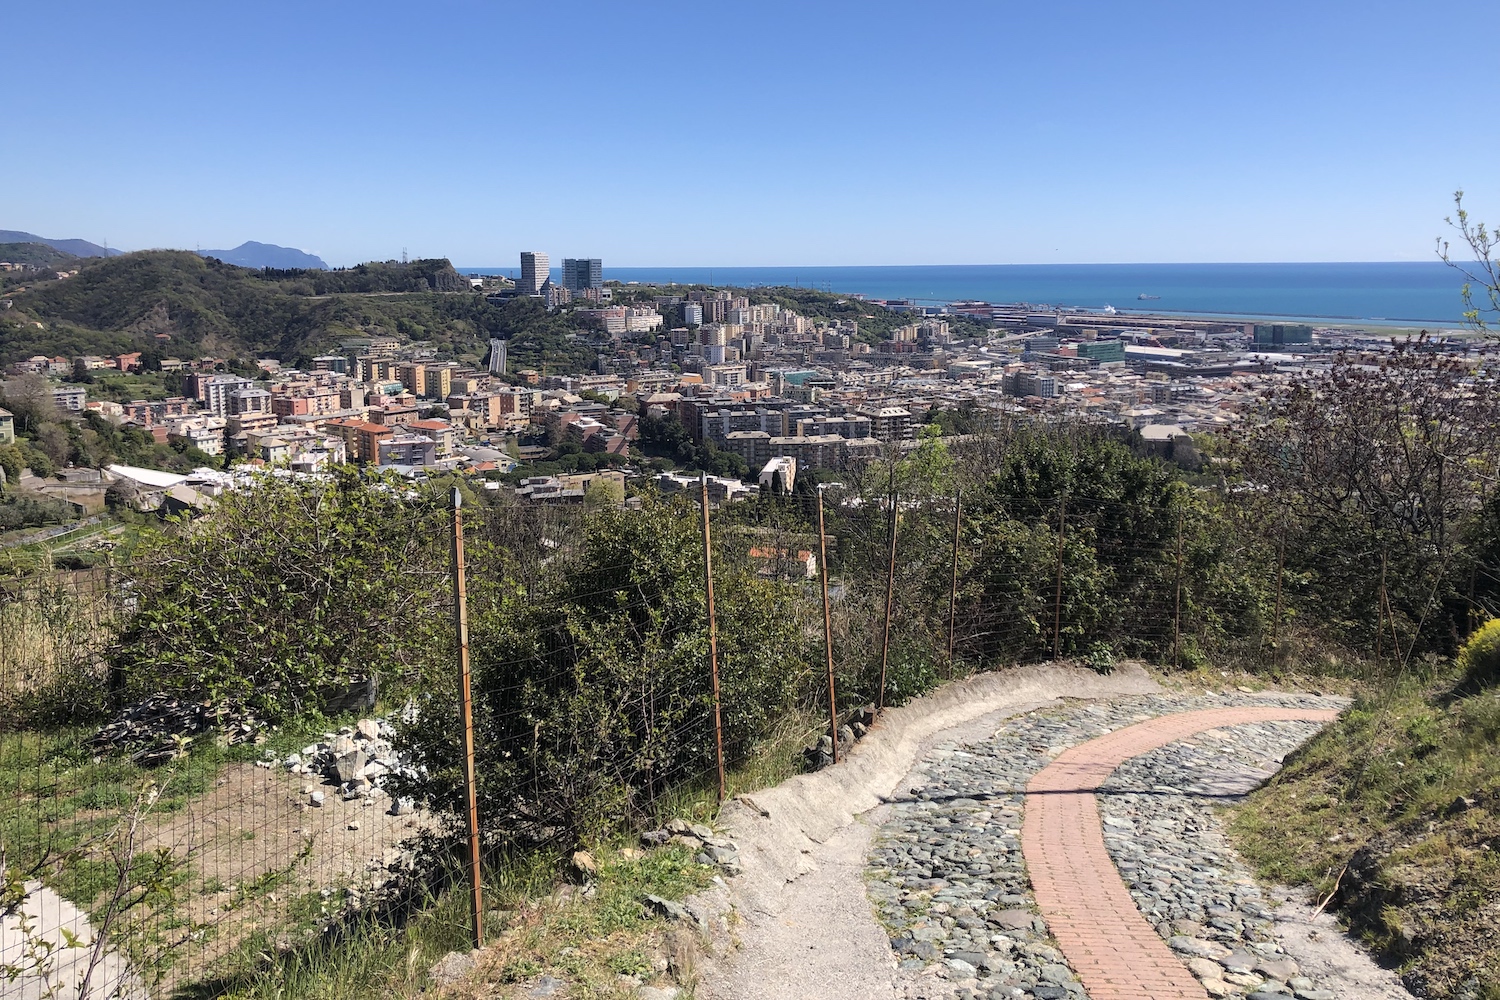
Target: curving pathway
(1088, 909)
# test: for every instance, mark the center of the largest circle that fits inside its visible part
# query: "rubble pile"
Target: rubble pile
(709, 847)
(859, 724)
(358, 760)
(159, 728)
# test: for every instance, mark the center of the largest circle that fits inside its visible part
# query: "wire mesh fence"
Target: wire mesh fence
(164, 835)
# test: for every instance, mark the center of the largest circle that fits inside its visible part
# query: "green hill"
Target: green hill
(209, 308)
(36, 255)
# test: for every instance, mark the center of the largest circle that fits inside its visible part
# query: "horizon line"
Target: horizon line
(1080, 263)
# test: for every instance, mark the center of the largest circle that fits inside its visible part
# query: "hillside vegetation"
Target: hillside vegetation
(36, 255)
(1390, 816)
(211, 308)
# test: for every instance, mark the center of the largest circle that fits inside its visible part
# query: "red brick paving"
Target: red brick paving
(1088, 909)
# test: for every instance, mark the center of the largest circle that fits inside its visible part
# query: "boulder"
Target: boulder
(348, 765)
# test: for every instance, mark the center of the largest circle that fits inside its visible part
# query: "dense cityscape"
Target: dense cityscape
(753, 387)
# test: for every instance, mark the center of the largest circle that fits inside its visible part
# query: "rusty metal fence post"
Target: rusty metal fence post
(833, 711)
(1177, 602)
(1062, 527)
(1380, 611)
(1280, 575)
(713, 632)
(466, 704)
(890, 596)
(953, 588)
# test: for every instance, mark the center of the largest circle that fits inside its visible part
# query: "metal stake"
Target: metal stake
(1062, 525)
(890, 597)
(833, 712)
(953, 590)
(713, 634)
(466, 703)
(1177, 605)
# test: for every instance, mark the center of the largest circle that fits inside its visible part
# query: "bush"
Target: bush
(1480, 658)
(592, 693)
(33, 510)
(284, 589)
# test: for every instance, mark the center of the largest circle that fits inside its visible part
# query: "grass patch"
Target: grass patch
(1391, 811)
(774, 759)
(589, 940)
(57, 799)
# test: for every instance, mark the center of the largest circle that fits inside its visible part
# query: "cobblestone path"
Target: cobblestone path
(1114, 951)
(997, 877)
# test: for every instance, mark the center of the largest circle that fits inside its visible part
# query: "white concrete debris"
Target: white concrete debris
(359, 760)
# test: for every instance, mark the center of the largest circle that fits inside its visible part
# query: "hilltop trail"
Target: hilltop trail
(898, 874)
(807, 929)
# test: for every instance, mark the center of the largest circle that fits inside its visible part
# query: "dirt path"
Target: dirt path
(52, 945)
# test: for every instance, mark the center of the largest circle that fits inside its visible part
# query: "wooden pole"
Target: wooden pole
(1390, 616)
(953, 588)
(1177, 603)
(466, 703)
(890, 596)
(833, 712)
(1062, 524)
(713, 634)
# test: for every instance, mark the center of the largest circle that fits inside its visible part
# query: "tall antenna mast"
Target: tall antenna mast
(403, 255)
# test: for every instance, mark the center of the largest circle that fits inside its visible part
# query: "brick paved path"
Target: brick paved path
(1115, 952)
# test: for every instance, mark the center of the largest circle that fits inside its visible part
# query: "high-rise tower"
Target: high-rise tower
(582, 272)
(535, 269)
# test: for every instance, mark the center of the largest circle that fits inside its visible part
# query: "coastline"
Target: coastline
(1384, 295)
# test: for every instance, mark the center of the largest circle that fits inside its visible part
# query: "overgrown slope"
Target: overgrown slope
(208, 307)
(1392, 813)
(35, 255)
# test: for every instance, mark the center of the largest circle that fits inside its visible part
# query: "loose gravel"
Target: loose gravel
(948, 880)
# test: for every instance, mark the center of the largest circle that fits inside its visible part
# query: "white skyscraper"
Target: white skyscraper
(535, 268)
(497, 356)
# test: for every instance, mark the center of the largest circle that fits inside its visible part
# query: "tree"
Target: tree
(53, 440)
(592, 693)
(1483, 271)
(1380, 469)
(29, 398)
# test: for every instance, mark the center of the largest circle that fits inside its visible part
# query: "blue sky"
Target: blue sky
(754, 133)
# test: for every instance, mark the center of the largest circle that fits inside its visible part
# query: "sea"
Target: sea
(1408, 293)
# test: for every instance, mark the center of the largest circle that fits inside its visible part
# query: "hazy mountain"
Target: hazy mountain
(258, 255)
(78, 248)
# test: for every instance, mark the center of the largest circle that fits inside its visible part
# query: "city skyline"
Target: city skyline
(834, 135)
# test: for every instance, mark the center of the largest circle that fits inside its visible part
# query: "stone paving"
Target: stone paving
(1159, 829)
(947, 873)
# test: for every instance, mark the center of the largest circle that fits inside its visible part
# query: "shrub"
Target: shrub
(33, 510)
(286, 588)
(592, 693)
(1480, 658)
